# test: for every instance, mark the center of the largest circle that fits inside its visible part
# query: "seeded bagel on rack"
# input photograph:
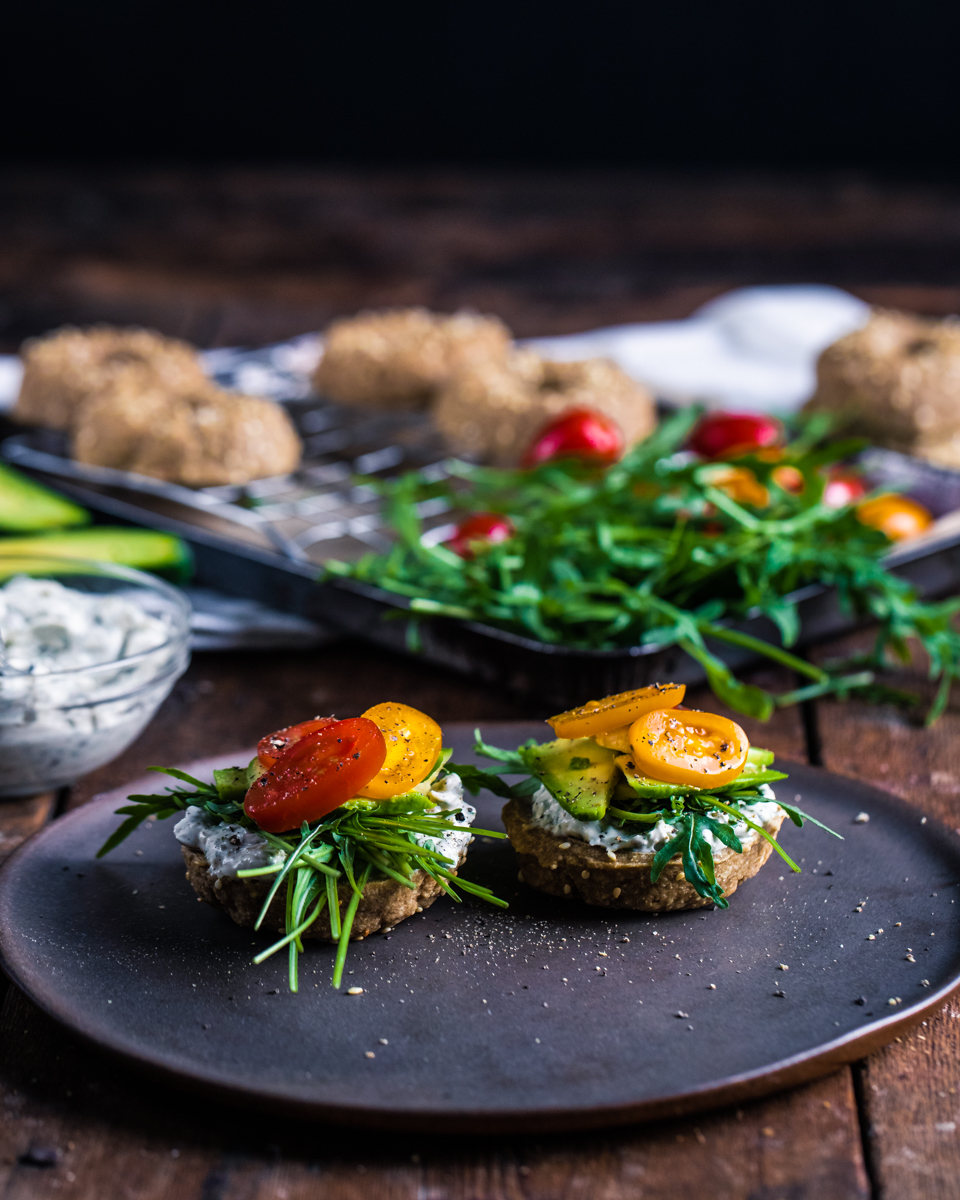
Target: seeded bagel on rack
(492, 410)
(896, 381)
(65, 368)
(204, 437)
(397, 359)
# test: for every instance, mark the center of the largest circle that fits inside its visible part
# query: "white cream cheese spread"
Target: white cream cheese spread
(84, 673)
(550, 816)
(48, 627)
(451, 804)
(232, 848)
(227, 848)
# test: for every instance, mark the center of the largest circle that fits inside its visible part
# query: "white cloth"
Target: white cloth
(754, 349)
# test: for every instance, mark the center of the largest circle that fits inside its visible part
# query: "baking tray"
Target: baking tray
(269, 539)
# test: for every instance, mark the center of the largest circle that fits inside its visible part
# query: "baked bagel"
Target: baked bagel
(385, 903)
(492, 410)
(565, 865)
(399, 358)
(896, 381)
(62, 370)
(203, 437)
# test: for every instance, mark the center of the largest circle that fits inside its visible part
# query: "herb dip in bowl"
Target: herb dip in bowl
(90, 650)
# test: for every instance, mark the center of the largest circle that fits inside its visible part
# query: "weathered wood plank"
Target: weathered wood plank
(238, 256)
(103, 1129)
(22, 817)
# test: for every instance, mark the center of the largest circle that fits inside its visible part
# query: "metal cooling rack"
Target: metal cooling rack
(315, 513)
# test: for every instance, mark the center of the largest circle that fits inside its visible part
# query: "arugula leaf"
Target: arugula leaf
(474, 779)
(798, 817)
(651, 552)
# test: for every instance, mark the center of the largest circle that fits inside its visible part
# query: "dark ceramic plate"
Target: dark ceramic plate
(549, 1015)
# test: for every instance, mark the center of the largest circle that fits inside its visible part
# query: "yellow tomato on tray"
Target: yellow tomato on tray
(898, 517)
(414, 742)
(697, 748)
(614, 712)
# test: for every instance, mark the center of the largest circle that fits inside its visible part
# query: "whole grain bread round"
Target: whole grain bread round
(385, 902)
(896, 381)
(621, 879)
(397, 359)
(493, 409)
(201, 437)
(63, 369)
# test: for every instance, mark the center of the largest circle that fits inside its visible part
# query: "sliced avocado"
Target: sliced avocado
(579, 774)
(416, 800)
(231, 784)
(255, 769)
(26, 506)
(759, 757)
(651, 789)
(146, 549)
(409, 802)
(656, 789)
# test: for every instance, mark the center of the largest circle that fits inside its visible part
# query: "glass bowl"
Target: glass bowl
(61, 716)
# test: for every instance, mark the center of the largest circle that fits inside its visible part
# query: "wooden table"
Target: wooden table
(215, 256)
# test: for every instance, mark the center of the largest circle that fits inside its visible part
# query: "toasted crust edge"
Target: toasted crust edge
(623, 881)
(384, 904)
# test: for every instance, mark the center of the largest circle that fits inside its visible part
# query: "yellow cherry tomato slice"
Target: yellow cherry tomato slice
(613, 712)
(616, 739)
(898, 517)
(698, 748)
(414, 742)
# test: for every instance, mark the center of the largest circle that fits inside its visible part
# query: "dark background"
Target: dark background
(678, 84)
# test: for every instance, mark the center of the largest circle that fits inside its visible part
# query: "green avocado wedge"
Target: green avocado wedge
(579, 774)
(28, 507)
(145, 549)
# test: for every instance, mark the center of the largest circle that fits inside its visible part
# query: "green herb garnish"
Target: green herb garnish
(352, 845)
(650, 552)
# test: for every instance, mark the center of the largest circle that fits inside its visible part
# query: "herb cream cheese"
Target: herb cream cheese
(550, 816)
(84, 672)
(232, 848)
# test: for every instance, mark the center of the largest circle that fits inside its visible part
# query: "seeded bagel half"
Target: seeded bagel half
(621, 879)
(385, 902)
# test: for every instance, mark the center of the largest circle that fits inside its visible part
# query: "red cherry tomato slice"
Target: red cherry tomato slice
(316, 774)
(843, 488)
(273, 745)
(720, 434)
(480, 527)
(580, 433)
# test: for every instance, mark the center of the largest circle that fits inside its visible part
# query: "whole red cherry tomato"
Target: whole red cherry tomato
(316, 774)
(843, 488)
(721, 434)
(479, 527)
(270, 748)
(579, 433)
